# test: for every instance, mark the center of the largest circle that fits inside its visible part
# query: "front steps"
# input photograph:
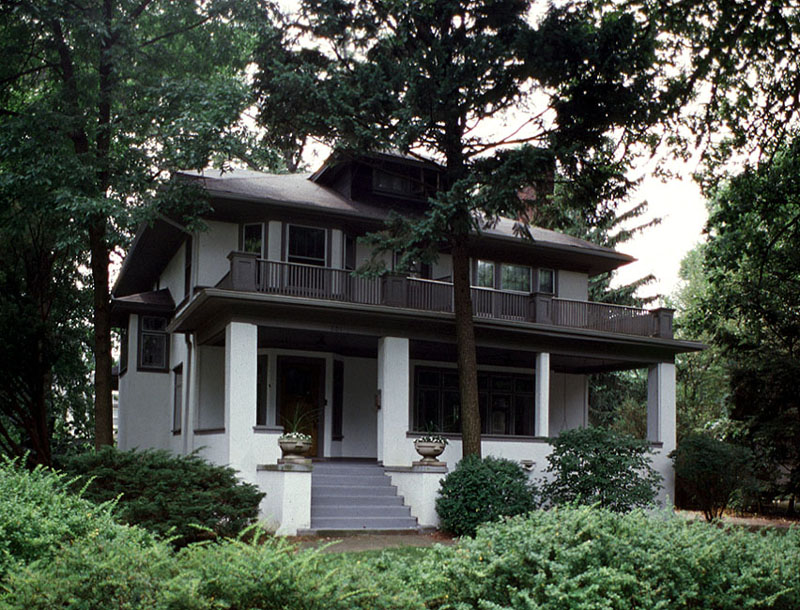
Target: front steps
(353, 496)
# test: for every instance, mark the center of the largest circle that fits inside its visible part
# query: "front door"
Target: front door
(301, 397)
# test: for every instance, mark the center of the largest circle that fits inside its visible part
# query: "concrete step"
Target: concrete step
(353, 490)
(345, 468)
(325, 479)
(371, 500)
(340, 510)
(364, 523)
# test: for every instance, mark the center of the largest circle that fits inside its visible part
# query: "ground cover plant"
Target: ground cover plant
(482, 490)
(600, 467)
(168, 495)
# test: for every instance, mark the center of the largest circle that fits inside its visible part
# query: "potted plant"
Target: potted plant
(430, 446)
(295, 443)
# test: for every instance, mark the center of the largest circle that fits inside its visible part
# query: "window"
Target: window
(485, 274)
(547, 281)
(177, 399)
(416, 269)
(262, 386)
(187, 269)
(153, 355)
(436, 400)
(306, 245)
(349, 252)
(253, 239)
(506, 402)
(515, 277)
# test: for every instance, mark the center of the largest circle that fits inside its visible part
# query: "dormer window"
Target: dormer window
(395, 182)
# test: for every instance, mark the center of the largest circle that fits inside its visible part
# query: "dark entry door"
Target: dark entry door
(301, 397)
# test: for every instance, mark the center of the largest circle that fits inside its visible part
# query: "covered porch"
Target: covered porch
(370, 396)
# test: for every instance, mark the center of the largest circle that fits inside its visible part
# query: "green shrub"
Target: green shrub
(585, 558)
(598, 466)
(169, 495)
(37, 516)
(711, 471)
(482, 490)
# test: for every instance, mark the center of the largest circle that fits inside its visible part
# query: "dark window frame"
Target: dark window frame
(554, 275)
(243, 242)
(521, 425)
(177, 399)
(287, 248)
(187, 268)
(161, 334)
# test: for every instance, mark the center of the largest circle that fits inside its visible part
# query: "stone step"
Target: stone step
(346, 468)
(339, 510)
(349, 500)
(364, 523)
(353, 490)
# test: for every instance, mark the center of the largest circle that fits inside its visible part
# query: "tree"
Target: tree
(752, 265)
(422, 77)
(127, 90)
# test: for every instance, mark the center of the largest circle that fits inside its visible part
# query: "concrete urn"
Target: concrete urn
(294, 447)
(429, 450)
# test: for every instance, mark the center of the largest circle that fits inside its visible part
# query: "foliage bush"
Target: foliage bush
(168, 495)
(598, 466)
(585, 558)
(711, 471)
(482, 490)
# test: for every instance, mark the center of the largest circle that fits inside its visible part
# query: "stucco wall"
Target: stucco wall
(211, 394)
(573, 285)
(145, 408)
(213, 248)
(569, 402)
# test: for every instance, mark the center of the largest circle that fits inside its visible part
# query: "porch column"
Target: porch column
(661, 423)
(661, 404)
(542, 399)
(393, 390)
(241, 345)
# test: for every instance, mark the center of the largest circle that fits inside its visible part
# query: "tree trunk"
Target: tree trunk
(103, 406)
(467, 360)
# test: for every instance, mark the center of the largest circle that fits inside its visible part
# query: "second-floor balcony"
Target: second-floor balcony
(249, 273)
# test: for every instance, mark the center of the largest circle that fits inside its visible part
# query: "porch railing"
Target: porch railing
(252, 274)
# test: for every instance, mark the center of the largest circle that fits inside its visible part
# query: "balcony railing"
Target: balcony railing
(252, 274)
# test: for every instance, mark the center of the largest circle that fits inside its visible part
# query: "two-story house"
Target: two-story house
(232, 330)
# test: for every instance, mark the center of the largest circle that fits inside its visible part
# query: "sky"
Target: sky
(660, 249)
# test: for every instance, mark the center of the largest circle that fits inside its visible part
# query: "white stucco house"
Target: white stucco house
(232, 329)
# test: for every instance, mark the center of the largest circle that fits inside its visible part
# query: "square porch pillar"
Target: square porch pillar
(661, 426)
(542, 397)
(241, 348)
(393, 400)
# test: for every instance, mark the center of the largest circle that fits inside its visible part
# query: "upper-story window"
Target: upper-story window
(484, 274)
(406, 182)
(515, 277)
(153, 344)
(547, 281)
(306, 245)
(253, 238)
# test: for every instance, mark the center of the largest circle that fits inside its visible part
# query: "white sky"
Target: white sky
(660, 249)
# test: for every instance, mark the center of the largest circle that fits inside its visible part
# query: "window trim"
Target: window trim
(287, 240)
(530, 278)
(539, 270)
(139, 343)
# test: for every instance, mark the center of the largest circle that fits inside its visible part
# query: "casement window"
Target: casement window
(153, 344)
(515, 277)
(484, 274)
(547, 281)
(253, 238)
(502, 276)
(177, 398)
(506, 402)
(306, 245)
